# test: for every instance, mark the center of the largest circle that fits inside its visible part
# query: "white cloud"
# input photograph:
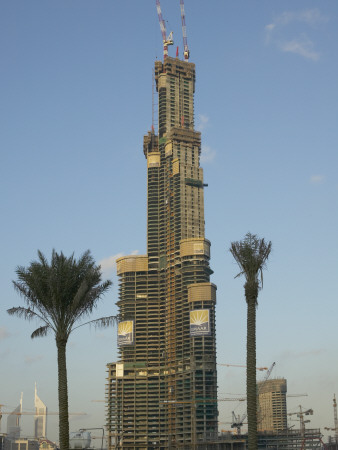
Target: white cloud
(316, 179)
(310, 17)
(207, 154)
(33, 359)
(108, 265)
(292, 354)
(202, 122)
(4, 333)
(269, 29)
(300, 46)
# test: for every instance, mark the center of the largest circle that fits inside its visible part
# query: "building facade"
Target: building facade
(272, 413)
(21, 444)
(40, 418)
(13, 422)
(162, 393)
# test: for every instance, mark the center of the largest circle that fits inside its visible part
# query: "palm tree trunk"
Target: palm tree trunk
(251, 389)
(63, 395)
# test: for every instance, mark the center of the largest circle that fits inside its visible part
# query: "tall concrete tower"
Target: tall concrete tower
(40, 418)
(162, 393)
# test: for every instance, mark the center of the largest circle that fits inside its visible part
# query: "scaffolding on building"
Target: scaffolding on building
(311, 439)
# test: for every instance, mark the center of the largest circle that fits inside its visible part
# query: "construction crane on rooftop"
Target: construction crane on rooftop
(166, 40)
(302, 421)
(186, 51)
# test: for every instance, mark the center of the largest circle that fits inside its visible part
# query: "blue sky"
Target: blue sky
(76, 100)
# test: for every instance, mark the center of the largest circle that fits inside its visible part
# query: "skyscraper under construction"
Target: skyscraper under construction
(162, 393)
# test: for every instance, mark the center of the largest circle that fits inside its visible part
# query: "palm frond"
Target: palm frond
(43, 259)
(40, 332)
(26, 313)
(239, 274)
(102, 322)
(105, 322)
(85, 302)
(80, 295)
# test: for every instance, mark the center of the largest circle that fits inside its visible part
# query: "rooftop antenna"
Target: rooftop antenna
(166, 40)
(186, 52)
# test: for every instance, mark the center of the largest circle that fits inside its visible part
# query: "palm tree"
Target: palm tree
(60, 295)
(251, 255)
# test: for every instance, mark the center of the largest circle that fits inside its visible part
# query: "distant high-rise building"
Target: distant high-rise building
(272, 413)
(13, 421)
(40, 418)
(162, 393)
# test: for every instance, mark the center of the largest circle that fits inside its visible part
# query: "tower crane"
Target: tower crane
(186, 52)
(239, 365)
(268, 373)
(335, 416)
(237, 421)
(302, 422)
(166, 40)
(335, 429)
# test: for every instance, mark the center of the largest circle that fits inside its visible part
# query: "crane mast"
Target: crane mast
(302, 422)
(166, 40)
(184, 32)
(335, 417)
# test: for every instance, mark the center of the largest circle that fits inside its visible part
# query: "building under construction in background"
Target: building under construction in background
(162, 393)
(272, 414)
